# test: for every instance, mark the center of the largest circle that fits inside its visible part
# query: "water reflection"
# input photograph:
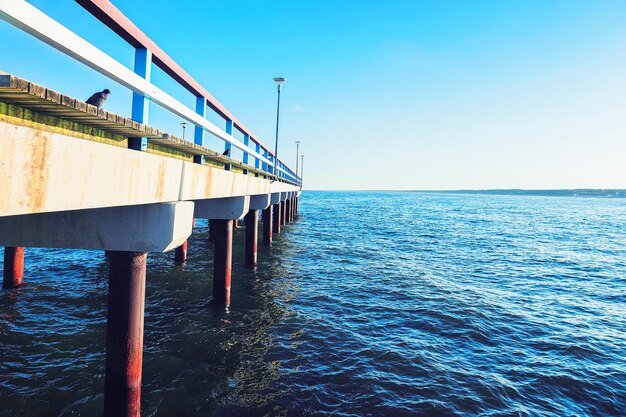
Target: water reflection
(199, 358)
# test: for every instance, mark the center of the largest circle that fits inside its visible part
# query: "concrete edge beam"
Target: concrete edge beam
(228, 208)
(260, 202)
(141, 228)
(275, 199)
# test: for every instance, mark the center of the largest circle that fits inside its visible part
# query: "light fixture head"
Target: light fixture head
(279, 80)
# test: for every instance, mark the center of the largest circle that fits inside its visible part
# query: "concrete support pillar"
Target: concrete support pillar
(267, 225)
(252, 227)
(293, 209)
(287, 212)
(276, 221)
(124, 348)
(222, 260)
(297, 204)
(235, 224)
(13, 267)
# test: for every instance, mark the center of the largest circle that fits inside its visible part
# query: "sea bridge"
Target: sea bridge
(79, 177)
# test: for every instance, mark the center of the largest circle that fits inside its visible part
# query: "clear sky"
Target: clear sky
(386, 94)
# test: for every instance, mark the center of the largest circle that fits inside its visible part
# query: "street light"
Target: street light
(301, 169)
(279, 81)
(297, 156)
(184, 125)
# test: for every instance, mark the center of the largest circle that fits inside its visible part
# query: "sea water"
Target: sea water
(369, 304)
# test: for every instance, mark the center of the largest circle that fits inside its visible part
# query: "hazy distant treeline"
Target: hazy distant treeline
(582, 192)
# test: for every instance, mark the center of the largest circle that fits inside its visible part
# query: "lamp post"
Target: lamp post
(301, 169)
(184, 125)
(279, 81)
(297, 156)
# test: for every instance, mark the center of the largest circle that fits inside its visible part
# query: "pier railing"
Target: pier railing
(36, 23)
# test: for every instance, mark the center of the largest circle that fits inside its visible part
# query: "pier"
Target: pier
(76, 176)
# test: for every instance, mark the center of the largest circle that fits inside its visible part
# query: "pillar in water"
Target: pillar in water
(252, 226)
(124, 344)
(276, 218)
(267, 225)
(222, 261)
(13, 267)
(180, 253)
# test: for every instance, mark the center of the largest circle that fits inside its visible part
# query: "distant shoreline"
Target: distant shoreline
(577, 192)
(569, 192)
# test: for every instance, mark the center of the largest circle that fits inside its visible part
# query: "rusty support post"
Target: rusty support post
(211, 230)
(222, 261)
(276, 219)
(180, 253)
(13, 267)
(124, 344)
(283, 213)
(267, 225)
(252, 227)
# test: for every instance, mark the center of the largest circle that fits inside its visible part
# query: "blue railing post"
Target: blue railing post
(198, 136)
(141, 104)
(270, 166)
(256, 160)
(227, 145)
(246, 141)
(264, 164)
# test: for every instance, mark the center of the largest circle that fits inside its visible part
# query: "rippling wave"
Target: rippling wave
(371, 304)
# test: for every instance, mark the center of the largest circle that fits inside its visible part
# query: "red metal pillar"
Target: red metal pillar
(288, 211)
(292, 204)
(252, 227)
(297, 204)
(180, 253)
(267, 225)
(222, 260)
(211, 230)
(235, 224)
(124, 354)
(276, 219)
(293, 208)
(283, 213)
(13, 267)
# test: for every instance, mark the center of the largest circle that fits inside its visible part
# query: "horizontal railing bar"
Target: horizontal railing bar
(31, 20)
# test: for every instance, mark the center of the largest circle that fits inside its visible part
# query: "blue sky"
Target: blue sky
(386, 95)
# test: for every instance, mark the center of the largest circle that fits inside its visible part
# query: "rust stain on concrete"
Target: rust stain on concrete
(161, 179)
(38, 168)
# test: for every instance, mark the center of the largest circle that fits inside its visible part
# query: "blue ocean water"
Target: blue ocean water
(370, 304)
